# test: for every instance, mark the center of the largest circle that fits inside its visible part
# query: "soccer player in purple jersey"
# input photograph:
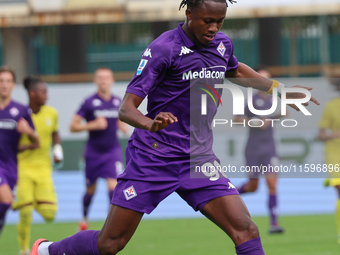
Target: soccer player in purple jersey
(261, 150)
(159, 151)
(103, 154)
(15, 120)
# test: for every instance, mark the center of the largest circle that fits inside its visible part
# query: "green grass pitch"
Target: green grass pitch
(312, 235)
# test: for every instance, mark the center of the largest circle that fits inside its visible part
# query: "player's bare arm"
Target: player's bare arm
(247, 77)
(24, 128)
(129, 114)
(123, 126)
(326, 136)
(58, 154)
(100, 123)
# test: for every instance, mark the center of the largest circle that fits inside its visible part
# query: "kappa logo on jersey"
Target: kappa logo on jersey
(221, 48)
(141, 66)
(130, 193)
(116, 102)
(231, 186)
(96, 102)
(14, 111)
(147, 53)
(185, 51)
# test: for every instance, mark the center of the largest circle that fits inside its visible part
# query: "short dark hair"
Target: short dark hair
(194, 3)
(8, 69)
(31, 82)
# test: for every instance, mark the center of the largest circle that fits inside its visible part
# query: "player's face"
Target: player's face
(6, 84)
(39, 94)
(205, 21)
(104, 79)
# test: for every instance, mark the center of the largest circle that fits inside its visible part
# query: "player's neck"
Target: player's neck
(35, 107)
(4, 102)
(105, 95)
(187, 32)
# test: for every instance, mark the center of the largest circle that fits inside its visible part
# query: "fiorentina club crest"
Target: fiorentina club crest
(221, 48)
(14, 111)
(130, 193)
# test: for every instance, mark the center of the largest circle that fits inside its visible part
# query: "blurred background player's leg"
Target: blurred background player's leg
(250, 186)
(45, 197)
(6, 199)
(111, 184)
(87, 198)
(272, 205)
(335, 182)
(24, 202)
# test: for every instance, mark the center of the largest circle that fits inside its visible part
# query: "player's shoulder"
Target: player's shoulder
(167, 38)
(50, 109)
(221, 37)
(19, 105)
(163, 45)
(19, 108)
(89, 99)
(333, 104)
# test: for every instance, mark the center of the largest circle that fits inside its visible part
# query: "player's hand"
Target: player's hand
(56, 160)
(23, 127)
(100, 123)
(161, 121)
(292, 95)
(334, 134)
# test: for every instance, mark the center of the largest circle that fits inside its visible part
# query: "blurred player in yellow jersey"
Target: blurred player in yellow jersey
(35, 184)
(330, 133)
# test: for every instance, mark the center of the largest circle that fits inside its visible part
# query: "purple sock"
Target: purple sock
(111, 194)
(273, 209)
(86, 203)
(84, 242)
(251, 247)
(3, 210)
(242, 189)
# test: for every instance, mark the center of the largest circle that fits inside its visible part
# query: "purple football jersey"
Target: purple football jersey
(260, 140)
(9, 137)
(165, 74)
(101, 141)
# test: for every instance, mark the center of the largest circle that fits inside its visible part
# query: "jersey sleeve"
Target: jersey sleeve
(27, 117)
(83, 110)
(232, 62)
(155, 60)
(326, 118)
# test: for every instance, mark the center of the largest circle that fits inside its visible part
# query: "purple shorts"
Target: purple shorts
(148, 179)
(6, 179)
(103, 166)
(264, 159)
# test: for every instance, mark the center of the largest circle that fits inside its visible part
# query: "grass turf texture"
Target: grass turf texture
(312, 235)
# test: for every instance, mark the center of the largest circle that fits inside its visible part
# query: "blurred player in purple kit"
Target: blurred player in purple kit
(260, 150)
(159, 153)
(15, 120)
(103, 155)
